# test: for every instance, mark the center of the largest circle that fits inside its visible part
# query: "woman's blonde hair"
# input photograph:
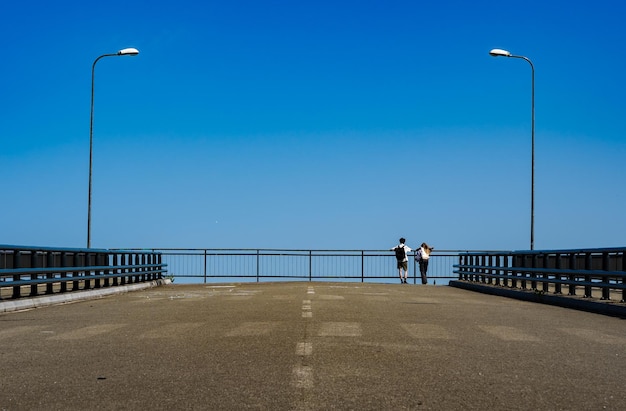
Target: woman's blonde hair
(426, 248)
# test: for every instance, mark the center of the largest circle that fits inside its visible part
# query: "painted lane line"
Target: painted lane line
(303, 377)
(304, 349)
(306, 309)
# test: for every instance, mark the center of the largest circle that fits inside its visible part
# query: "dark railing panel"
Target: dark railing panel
(591, 271)
(34, 271)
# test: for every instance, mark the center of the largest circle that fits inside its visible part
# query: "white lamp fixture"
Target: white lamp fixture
(500, 52)
(129, 51)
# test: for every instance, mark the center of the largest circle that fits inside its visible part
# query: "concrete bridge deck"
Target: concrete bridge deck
(310, 346)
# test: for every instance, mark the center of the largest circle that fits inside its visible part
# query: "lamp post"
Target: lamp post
(123, 52)
(504, 53)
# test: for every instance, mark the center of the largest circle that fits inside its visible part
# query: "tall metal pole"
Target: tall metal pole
(504, 53)
(93, 71)
(123, 52)
(532, 172)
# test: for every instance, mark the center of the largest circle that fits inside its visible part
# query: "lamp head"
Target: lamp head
(500, 52)
(128, 52)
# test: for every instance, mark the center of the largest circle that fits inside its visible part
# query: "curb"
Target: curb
(44, 301)
(599, 307)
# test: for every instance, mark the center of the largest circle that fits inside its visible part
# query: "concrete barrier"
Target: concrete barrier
(44, 301)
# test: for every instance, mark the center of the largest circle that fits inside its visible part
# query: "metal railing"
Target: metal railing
(597, 270)
(240, 265)
(33, 271)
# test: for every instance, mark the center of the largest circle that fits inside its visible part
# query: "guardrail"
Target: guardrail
(597, 270)
(211, 265)
(34, 271)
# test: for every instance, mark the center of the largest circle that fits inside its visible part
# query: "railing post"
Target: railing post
(624, 277)
(50, 276)
(160, 263)
(533, 275)
(515, 260)
(524, 273)
(505, 271)
(116, 271)
(557, 267)
(572, 278)
(97, 272)
(475, 261)
(545, 260)
(144, 269)
(128, 272)
(606, 292)
(258, 264)
(497, 271)
(588, 266)
(108, 274)
(88, 263)
(64, 263)
(205, 263)
(363, 266)
(124, 270)
(132, 261)
(310, 265)
(484, 262)
(17, 263)
(76, 262)
(33, 276)
(150, 267)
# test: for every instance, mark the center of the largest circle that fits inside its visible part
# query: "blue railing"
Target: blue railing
(34, 271)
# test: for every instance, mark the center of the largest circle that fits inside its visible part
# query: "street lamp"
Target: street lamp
(123, 52)
(504, 53)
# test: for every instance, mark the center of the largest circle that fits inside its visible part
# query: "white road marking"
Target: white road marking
(427, 331)
(306, 309)
(87, 332)
(303, 376)
(507, 333)
(596, 337)
(247, 329)
(340, 329)
(304, 349)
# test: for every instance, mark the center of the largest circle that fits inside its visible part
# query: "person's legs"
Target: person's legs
(423, 270)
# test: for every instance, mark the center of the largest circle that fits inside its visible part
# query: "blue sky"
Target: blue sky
(313, 124)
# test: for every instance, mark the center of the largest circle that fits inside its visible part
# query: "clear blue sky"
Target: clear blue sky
(313, 124)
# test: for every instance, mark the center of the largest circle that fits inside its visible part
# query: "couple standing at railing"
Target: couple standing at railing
(421, 256)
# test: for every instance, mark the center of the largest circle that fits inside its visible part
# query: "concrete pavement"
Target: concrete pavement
(310, 346)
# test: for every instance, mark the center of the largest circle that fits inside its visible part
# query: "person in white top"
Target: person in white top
(403, 261)
(422, 256)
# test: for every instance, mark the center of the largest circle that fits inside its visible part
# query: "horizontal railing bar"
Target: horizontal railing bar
(541, 252)
(599, 273)
(598, 284)
(44, 270)
(18, 283)
(5, 247)
(201, 251)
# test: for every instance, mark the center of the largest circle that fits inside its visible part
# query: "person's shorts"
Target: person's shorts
(404, 265)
